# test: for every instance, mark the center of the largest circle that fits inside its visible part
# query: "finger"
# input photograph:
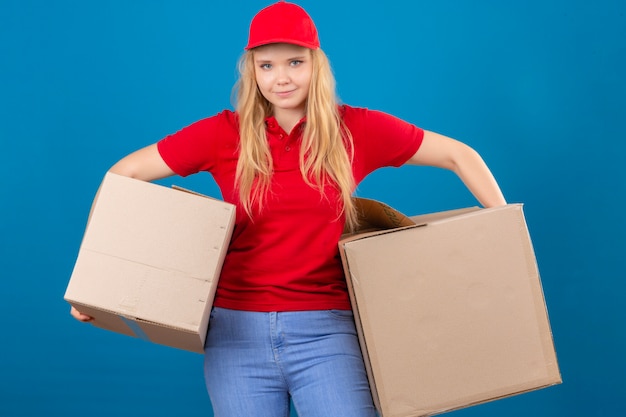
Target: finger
(80, 316)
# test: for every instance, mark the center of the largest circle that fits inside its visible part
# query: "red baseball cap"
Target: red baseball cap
(283, 22)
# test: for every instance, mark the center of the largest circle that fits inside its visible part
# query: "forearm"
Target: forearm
(444, 152)
(478, 179)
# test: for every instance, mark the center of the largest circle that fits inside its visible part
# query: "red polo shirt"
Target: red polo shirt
(286, 258)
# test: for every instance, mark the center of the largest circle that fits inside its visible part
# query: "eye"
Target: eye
(295, 62)
(265, 66)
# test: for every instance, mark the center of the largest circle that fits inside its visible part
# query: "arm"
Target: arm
(145, 164)
(444, 152)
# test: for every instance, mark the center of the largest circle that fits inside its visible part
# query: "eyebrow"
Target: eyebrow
(295, 58)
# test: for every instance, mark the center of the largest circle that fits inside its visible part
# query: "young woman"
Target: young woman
(290, 158)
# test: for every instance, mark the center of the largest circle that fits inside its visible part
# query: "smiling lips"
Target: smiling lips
(284, 93)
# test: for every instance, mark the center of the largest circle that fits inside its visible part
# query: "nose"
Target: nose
(282, 75)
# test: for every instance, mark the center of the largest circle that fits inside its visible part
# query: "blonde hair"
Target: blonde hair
(326, 152)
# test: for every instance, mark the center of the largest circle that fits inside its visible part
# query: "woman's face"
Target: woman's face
(283, 74)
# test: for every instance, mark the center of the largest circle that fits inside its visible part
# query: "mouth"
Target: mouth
(284, 94)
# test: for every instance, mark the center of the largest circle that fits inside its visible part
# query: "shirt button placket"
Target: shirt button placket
(287, 147)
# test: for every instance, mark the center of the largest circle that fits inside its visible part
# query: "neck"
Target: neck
(288, 119)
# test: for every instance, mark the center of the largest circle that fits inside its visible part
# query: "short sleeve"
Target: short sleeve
(197, 147)
(380, 140)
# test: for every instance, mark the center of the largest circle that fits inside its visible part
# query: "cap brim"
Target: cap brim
(279, 40)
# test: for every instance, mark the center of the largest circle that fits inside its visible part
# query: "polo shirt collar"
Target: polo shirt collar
(273, 126)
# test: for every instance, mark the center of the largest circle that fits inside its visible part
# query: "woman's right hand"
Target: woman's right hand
(80, 316)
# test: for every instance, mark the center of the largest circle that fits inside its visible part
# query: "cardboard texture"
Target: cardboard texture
(449, 309)
(150, 260)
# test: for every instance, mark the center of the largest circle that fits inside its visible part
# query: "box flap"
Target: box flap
(377, 218)
(373, 214)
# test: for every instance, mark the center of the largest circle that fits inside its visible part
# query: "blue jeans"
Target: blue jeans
(255, 362)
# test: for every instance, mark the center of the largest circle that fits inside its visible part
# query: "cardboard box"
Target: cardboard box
(150, 260)
(449, 308)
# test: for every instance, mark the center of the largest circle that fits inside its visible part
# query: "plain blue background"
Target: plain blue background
(537, 87)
